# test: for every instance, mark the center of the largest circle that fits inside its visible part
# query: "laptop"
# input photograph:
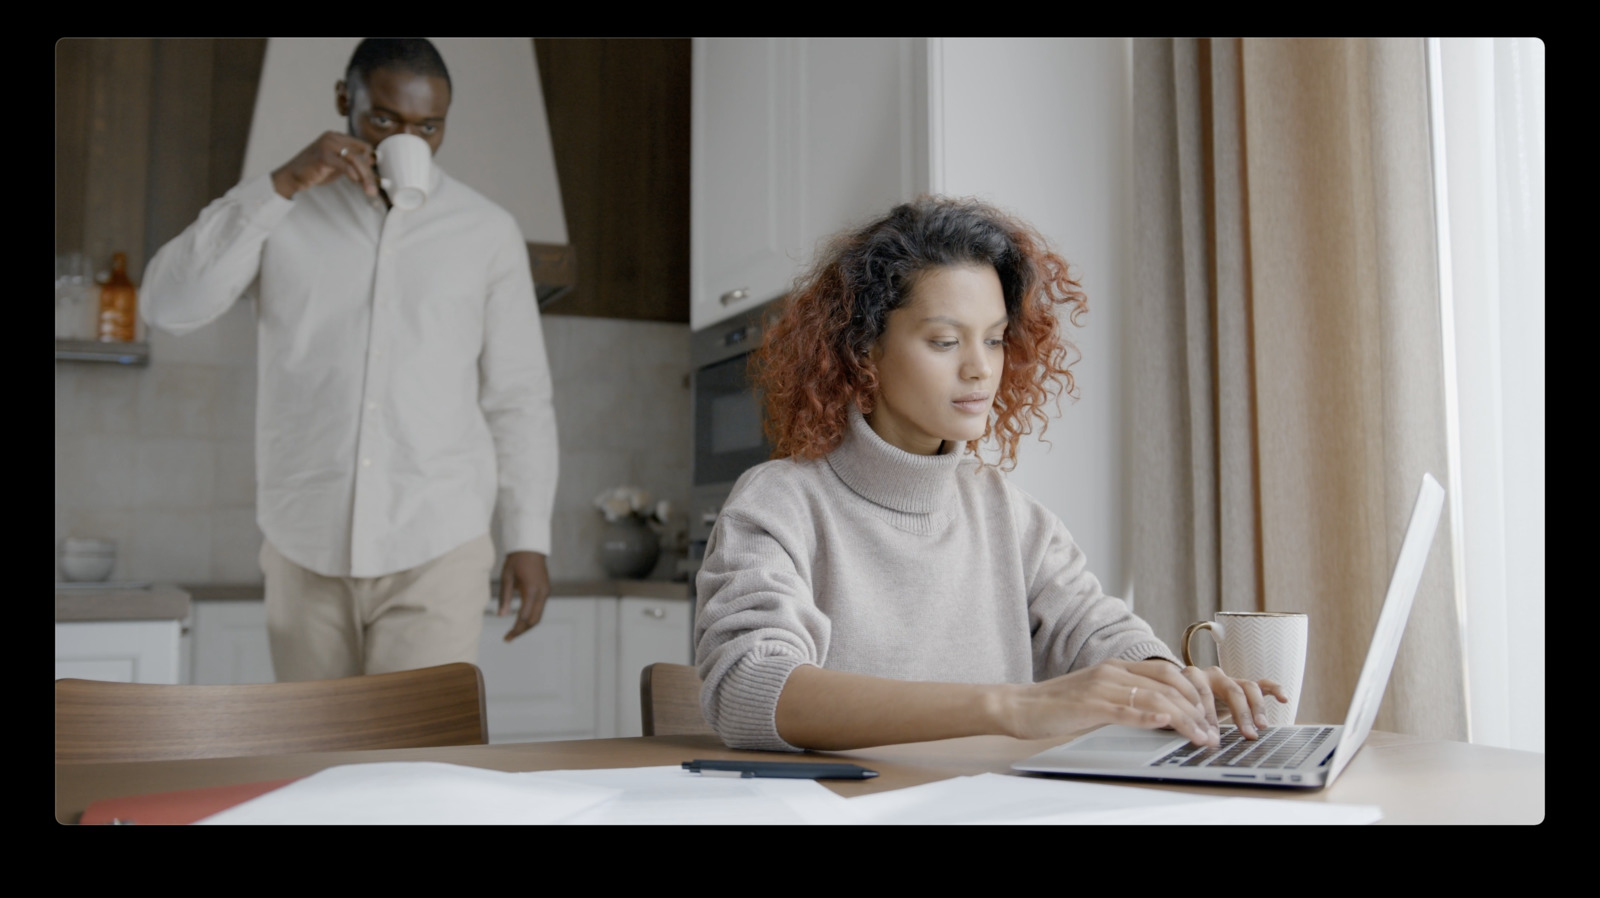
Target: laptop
(1299, 756)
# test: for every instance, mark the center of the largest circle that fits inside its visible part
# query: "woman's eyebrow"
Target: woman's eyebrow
(946, 319)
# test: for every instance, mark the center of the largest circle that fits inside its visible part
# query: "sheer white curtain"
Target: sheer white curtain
(1487, 104)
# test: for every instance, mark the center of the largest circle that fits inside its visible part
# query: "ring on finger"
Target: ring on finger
(1131, 693)
(343, 152)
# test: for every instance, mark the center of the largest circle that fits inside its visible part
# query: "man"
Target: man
(403, 387)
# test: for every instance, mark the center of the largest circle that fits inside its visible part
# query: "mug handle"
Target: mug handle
(1189, 634)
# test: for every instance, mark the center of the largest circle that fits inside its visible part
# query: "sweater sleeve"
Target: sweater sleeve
(1074, 623)
(756, 622)
(198, 274)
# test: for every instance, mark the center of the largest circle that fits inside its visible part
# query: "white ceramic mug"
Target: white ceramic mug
(405, 169)
(1260, 645)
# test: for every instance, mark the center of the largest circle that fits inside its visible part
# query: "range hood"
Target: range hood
(498, 142)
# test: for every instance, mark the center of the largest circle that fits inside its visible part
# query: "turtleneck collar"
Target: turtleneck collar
(890, 476)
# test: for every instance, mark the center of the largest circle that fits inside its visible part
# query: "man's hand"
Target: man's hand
(525, 573)
(331, 156)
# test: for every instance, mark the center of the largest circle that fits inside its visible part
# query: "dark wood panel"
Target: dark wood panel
(236, 75)
(119, 150)
(619, 128)
(72, 141)
(147, 132)
(180, 103)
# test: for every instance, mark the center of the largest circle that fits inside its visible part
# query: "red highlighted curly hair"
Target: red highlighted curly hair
(812, 364)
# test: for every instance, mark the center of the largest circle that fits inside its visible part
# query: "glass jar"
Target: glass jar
(74, 283)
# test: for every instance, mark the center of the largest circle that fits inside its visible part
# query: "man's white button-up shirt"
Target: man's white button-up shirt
(403, 386)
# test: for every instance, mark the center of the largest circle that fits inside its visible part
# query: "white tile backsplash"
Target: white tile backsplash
(174, 474)
(179, 400)
(162, 459)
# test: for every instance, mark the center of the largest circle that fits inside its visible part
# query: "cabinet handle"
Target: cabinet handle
(656, 613)
(733, 296)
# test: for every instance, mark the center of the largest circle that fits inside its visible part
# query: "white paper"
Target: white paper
(421, 792)
(432, 793)
(992, 798)
(672, 795)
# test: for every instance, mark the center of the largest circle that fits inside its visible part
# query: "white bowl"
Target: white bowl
(87, 567)
(80, 545)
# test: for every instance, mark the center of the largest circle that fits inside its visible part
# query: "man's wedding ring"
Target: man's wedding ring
(343, 151)
(1131, 693)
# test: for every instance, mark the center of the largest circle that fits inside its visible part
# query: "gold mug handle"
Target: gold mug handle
(1189, 634)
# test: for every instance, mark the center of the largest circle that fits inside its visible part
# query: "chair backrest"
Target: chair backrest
(104, 721)
(669, 701)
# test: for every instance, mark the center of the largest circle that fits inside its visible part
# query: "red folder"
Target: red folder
(185, 806)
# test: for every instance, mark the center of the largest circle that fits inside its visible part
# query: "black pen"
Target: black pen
(789, 769)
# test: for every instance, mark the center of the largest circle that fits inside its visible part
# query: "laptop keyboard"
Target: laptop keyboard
(1278, 747)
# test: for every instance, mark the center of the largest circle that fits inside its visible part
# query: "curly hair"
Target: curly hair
(812, 364)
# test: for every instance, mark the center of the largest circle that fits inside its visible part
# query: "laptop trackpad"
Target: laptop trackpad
(1113, 747)
(1142, 741)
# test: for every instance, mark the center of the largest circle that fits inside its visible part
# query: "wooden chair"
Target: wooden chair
(104, 721)
(669, 701)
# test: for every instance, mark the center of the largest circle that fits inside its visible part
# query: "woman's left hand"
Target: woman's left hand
(1246, 699)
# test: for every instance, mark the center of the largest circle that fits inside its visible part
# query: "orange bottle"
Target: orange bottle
(119, 303)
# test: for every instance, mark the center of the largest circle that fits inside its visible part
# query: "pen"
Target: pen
(789, 769)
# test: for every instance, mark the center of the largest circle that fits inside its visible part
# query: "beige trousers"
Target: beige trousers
(323, 627)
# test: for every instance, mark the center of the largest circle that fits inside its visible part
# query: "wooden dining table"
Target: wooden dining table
(1412, 780)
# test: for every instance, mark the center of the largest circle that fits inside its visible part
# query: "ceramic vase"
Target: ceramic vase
(629, 549)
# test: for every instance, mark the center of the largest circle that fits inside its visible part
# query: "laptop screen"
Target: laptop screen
(1391, 623)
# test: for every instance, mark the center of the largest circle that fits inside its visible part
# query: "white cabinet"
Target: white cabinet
(794, 139)
(741, 193)
(648, 630)
(228, 643)
(556, 681)
(574, 676)
(133, 651)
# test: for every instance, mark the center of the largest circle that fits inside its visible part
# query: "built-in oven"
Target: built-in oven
(728, 437)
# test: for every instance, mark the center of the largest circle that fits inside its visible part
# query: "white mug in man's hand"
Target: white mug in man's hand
(405, 169)
(1260, 645)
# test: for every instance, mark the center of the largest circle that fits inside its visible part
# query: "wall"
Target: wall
(162, 459)
(1043, 128)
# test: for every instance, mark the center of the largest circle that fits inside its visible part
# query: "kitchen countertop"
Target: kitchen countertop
(121, 601)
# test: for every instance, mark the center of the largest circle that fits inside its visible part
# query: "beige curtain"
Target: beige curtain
(1288, 388)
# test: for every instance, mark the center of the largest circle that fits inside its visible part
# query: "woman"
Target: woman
(878, 582)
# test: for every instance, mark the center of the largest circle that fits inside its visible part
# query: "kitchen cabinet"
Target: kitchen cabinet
(228, 643)
(574, 676)
(123, 632)
(648, 630)
(558, 680)
(123, 651)
(619, 129)
(793, 140)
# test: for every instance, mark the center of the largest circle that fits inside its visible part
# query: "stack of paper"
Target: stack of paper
(992, 798)
(433, 793)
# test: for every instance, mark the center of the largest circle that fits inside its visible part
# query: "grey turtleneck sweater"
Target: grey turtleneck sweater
(876, 561)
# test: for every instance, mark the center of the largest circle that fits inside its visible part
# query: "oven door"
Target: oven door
(728, 435)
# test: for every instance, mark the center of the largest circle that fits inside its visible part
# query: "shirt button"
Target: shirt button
(372, 406)
(366, 463)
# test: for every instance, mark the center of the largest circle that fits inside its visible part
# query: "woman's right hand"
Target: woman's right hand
(1144, 694)
(331, 156)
